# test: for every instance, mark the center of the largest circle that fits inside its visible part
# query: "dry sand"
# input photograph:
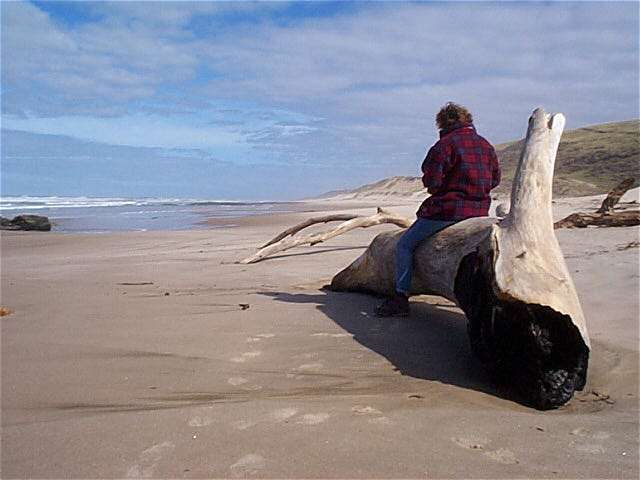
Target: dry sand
(129, 355)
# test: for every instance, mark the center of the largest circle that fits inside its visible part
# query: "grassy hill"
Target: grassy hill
(591, 160)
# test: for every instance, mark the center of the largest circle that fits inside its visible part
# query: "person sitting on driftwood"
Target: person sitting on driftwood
(459, 171)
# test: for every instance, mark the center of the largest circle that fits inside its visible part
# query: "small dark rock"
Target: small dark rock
(166, 294)
(26, 222)
(244, 306)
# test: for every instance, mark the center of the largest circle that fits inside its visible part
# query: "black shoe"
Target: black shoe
(396, 306)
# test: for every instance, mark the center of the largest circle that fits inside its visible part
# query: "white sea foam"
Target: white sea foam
(35, 203)
(108, 214)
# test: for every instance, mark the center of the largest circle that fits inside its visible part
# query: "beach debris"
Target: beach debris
(134, 283)
(244, 306)
(4, 311)
(26, 222)
(605, 216)
(166, 294)
(311, 221)
(271, 247)
(508, 275)
(634, 244)
(615, 195)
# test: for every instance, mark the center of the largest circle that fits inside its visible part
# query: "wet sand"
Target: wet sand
(129, 355)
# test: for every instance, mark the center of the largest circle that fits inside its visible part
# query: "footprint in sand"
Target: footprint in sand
(585, 435)
(472, 443)
(501, 455)
(200, 421)
(244, 424)
(365, 410)
(235, 381)
(381, 421)
(148, 460)
(310, 367)
(588, 433)
(260, 336)
(279, 415)
(246, 356)
(248, 466)
(252, 388)
(313, 418)
(590, 448)
(283, 414)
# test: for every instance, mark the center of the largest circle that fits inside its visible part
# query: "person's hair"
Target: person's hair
(452, 113)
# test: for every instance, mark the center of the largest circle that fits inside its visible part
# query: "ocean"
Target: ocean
(104, 215)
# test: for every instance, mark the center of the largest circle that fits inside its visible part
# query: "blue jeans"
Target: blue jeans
(422, 228)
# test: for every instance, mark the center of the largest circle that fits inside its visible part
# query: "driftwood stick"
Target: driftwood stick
(379, 218)
(615, 195)
(627, 218)
(307, 223)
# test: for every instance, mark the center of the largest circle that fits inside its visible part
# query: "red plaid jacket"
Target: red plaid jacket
(459, 171)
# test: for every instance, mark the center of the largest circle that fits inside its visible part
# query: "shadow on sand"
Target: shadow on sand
(430, 344)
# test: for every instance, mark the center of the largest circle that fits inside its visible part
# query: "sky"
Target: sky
(286, 100)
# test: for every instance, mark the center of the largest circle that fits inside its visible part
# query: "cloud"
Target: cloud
(134, 130)
(88, 68)
(356, 91)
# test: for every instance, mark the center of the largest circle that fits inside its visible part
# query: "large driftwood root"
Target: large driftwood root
(509, 277)
(530, 347)
(286, 240)
(605, 216)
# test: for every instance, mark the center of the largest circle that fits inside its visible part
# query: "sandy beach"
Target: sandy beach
(155, 355)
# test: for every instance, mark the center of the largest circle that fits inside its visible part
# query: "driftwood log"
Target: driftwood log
(625, 218)
(605, 216)
(525, 321)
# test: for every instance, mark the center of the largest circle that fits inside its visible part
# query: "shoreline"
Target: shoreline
(403, 204)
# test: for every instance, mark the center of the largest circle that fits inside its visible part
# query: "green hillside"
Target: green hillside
(590, 160)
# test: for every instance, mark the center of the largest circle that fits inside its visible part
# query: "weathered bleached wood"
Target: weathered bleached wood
(528, 264)
(509, 276)
(382, 216)
(307, 223)
(435, 265)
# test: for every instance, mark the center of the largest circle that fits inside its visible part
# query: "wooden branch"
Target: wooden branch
(615, 195)
(379, 218)
(311, 221)
(626, 218)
